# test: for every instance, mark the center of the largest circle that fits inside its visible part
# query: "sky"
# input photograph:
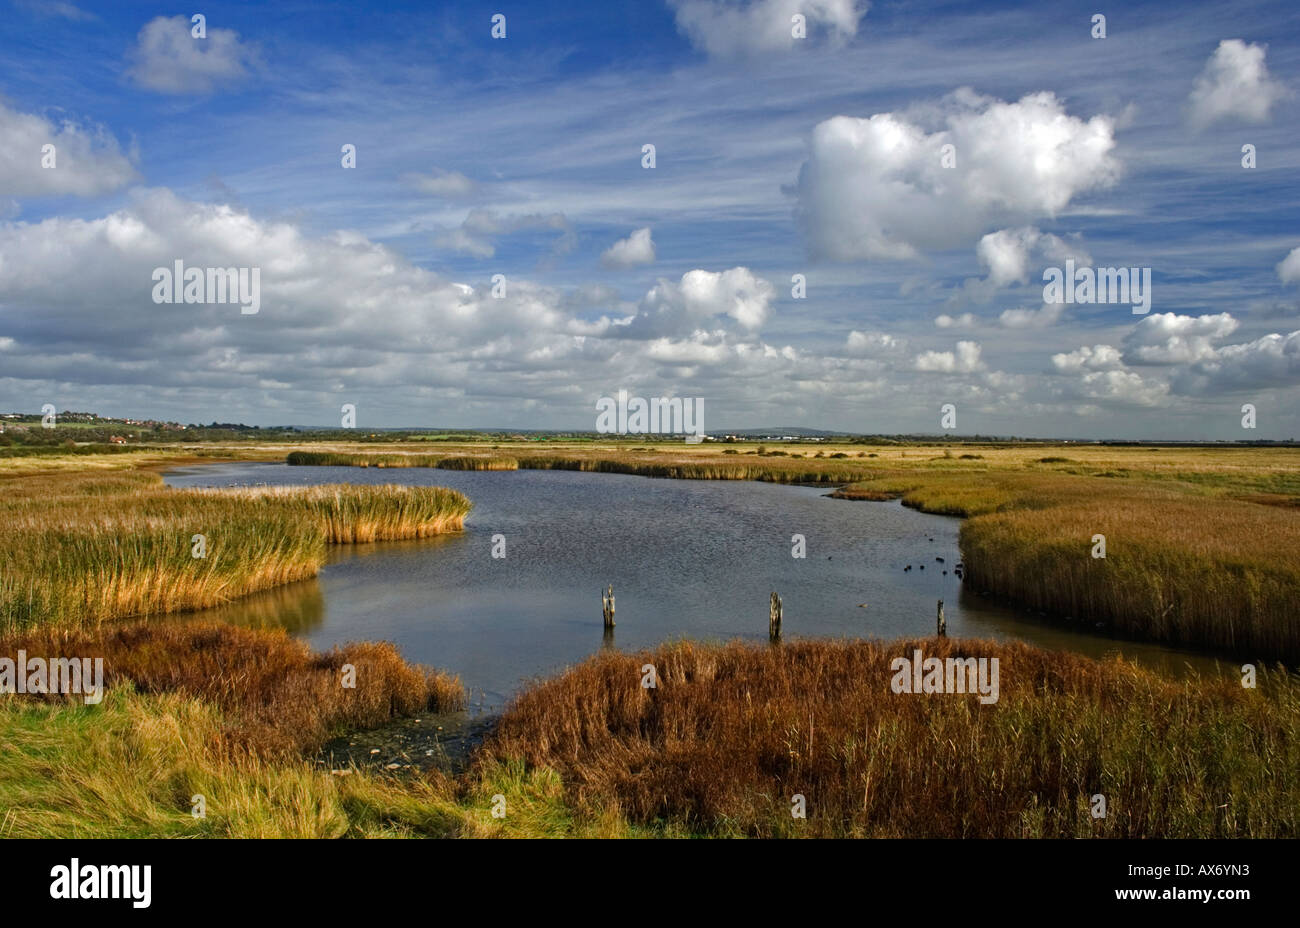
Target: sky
(848, 229)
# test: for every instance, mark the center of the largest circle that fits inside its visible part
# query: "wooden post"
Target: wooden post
(774, 619)
(943, 624)
(607, 606)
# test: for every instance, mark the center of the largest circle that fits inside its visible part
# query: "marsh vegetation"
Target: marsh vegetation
(81, 549)
(1201, 547)
(719, 747)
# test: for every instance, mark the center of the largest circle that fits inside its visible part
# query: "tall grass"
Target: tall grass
(83, 549)
(1224, 576)
(1182, 566)
(356, 513)
(342, 459)
(731, 733)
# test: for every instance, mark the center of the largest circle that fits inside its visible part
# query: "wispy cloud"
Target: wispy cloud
(169, 57)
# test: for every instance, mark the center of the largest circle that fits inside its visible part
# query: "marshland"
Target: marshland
(1200, 572)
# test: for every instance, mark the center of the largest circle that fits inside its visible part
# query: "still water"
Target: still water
(688, 559)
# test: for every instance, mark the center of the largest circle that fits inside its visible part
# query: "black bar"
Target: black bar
(385, 880)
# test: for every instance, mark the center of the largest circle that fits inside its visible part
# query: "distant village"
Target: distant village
(21, 422)
(89, 426)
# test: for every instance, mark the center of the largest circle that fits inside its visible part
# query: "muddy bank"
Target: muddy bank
(441, 742)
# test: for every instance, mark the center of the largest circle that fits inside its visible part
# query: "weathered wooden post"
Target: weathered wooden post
(607, 605)
(774, 619)
(943, 624)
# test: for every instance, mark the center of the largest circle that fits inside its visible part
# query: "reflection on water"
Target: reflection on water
(1003, 622)
(298, 608)
(686, 558)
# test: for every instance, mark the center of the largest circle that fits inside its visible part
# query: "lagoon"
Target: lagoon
(687, 558)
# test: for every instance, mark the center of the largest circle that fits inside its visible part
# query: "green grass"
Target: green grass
(129, 767)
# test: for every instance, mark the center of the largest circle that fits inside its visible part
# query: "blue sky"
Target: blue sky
(775, 156)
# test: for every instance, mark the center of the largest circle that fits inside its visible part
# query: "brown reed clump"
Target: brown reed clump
(731, 734)
(276, 697)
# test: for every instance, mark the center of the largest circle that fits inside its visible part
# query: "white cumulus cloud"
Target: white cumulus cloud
(1235, 85)
(1168, 338)
(876, 188)
(1045, 315)
(637, 248)
(87, 159)
(1272, 361)
(965, 360)
(1117, 388)
(872, 342)
(1008, 255)
(1084, 358)
(963, 321)
(699, 298)
(1288, 269)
